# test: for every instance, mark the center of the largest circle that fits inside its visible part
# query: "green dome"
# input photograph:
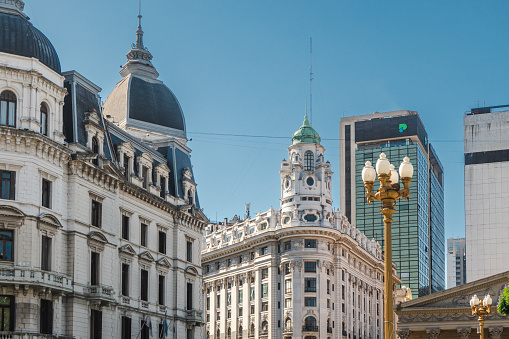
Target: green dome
(306, 134)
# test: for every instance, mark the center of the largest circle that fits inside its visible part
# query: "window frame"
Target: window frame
(4, 98)
(161, 239)
(4, 240)
(96, 213)
(8, 185)
(46, 193)
(309, 161)
(125, 226)
(44, 116)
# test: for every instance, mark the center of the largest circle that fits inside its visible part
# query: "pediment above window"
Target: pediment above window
(127, 249)
(146, 256)
(163, 262)
(10, 216)
(96, 241)
(191, 270)
(48, 224)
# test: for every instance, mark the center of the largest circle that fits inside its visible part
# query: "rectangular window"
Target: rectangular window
(7, 184)
(218, 301)
(126, 328)
(189, 296)
(288, 286)
(288, 303)
(310, 285)
(252, 309)
(127, 171)
(145, 330)
(6, 245)
(287, 269)
(241, 296)
(310, 301)
(328, 286)
(190, 251)
(288, 245)
(310, 243)
(208, 304)
(228, 298)
(264, 250)
(46, 254)
(46, 193)
(125, 279)
(96, 324)
(310, 266)
(94, 269)
(125, 227)
(265, 306)
(161, 290)
(162, 242)
(143, 234)
(251, 293)
(265, 290)
(96, 214)
(46, 316)
(240, 312)
(163, 187)
(144, 174)
(144, 285)
(265, 273)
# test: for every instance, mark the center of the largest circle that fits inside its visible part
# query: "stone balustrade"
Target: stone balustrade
(29, 276)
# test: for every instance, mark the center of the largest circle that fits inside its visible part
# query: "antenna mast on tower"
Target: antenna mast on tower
(311, 79)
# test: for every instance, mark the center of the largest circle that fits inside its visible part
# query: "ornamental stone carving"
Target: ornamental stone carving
(464, 333)
(433, 333)
(403, 334)
(496, 332)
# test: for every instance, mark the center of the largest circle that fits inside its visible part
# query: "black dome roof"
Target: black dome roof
(18, 36)
(155, 103)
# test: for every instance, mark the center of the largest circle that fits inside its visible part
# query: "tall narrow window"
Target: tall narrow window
(190, 197)
(44, 119)
(46, 316)
(6, 245)
(125, 279)
(308, 161)
(125, 227)
(144, 285)
(162, 242)
(7, 184)
(189, 296)
(161, 290)
(144, 174)
(163, 187)
(145, 331)
(46, 193)
(127, 170)
(96, 324)
(95, 149)
(96, 213)
(46, 253)
(126, 328)
(143, 237)
(189, 251)
(8, 108)
(94, 269)
(6, 313)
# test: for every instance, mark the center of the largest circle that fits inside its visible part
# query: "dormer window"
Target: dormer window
(144, 174)
(163, 187)
(308, 161)
(127, 170)
(95, 149)
(8, 108)
(44, 119)
(190, 197)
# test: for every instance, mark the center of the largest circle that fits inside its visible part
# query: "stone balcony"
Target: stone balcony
(26, 335)
(100, 293)
(194, 316)
(26, 277)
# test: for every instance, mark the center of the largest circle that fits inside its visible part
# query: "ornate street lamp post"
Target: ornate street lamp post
(481, 308)
(387, 194)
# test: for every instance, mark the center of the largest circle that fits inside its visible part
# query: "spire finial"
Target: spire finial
(139, 31)
(306, 111)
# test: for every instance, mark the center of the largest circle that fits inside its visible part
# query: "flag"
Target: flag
(149, 325)
(165, 323)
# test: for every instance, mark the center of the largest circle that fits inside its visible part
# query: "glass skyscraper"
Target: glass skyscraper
(418, 227)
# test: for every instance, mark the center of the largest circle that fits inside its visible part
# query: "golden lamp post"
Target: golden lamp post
(387, 194)
(481, 308)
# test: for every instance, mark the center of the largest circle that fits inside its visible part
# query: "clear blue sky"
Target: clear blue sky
(241, 67)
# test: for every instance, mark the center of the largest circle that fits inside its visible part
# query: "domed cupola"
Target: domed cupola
(306, 134)
(18, 36)
(142, 103)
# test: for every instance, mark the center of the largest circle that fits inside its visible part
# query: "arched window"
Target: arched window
(239, 335)
(265, 326)
(310, 324)
(95, 149)
(288, 324)
(218, 333)
(229, 332)
(190, 197)
(44, 119)
(252, 330)
(308, 161)
(8, 108)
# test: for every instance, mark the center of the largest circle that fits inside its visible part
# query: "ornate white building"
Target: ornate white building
(302, 271)
(99, 231)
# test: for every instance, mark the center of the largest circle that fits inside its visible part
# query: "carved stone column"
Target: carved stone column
(403, 334)
(464, 333)
(495, 332)
(433, 333)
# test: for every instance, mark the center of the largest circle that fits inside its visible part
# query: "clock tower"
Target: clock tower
(306, 181)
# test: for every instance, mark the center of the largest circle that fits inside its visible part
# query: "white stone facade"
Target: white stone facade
(302, 271)
(86, 249)
(486, 140)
